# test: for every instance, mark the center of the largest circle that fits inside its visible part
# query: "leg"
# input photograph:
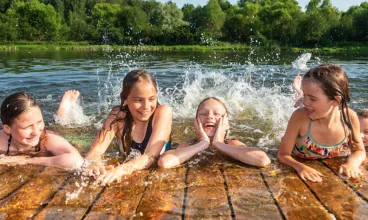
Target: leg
(70, 97)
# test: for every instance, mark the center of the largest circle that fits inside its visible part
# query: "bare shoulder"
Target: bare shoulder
(3, 141)
(164, 109)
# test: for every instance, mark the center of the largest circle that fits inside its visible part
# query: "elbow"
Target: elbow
(264, 161)
(165, 162)
(280, 158)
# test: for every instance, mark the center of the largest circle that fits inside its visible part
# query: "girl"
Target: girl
(139, 123)
(211, 124)
(24, 133)
(324, 126)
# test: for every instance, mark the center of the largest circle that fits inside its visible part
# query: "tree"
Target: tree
(212, 19)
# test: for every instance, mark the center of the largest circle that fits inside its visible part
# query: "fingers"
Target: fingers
(350, 172)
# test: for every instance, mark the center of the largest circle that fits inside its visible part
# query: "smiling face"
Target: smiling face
(27, 128)
(210, 112)
(316, 102)
(364, 129)
(142, 100)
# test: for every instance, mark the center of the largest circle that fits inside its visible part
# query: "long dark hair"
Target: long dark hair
(131, 78)
(16, 104)
(334, 82)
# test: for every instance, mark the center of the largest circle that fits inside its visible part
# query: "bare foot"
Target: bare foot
(70, 97)
(297, 84)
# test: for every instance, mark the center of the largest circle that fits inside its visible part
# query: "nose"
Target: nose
(210, 116)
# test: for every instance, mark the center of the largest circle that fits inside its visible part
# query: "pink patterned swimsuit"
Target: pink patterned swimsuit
(306, 147)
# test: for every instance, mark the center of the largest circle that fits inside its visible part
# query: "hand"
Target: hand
(222, 127)
(112, 174)
(350, 170)
(201, 135)
(96, 169)
(308, 173)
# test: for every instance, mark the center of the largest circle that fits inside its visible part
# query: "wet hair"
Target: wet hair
(363, 113)
(13, 106)
(129, 81)
(214, 98)
(334, 82)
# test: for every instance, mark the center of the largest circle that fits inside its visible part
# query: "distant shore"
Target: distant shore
(83, 46)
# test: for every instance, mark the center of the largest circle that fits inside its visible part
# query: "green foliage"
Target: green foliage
(140, 22)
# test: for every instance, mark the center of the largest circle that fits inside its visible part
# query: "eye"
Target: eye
(218, 114)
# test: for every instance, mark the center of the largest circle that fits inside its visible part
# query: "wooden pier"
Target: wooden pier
(215, 189)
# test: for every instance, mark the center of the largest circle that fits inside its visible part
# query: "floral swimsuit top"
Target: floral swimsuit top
(306, 147)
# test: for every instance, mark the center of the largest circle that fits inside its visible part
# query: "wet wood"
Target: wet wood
(209, 186)
(73, 201)
(336, 196)
(359, 184)
(120, 200)
(293, 197)
(35, 194)
(4, 168)
(15, 177)
(206, 193)
(164, 195)
(249, 195)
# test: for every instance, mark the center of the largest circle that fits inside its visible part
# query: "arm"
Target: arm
(287, 144)
(185, 151)
(65, 155)
(351, 167)
(92, 160)
(161, 129)
(237, 149)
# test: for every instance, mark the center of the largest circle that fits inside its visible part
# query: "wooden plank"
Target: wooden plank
(164, 195)
(206, 196)
(4, 168)
(338, 197)
(120, 200)
(73, 201)
(249, 196)
(15, 177)
(360, 184)
(34, 195)
(293, 197)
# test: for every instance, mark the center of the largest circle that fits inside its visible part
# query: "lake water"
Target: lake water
(255, 84)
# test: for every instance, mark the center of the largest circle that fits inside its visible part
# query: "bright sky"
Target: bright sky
(340, 4)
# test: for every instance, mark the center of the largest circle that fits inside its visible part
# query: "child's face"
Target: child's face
(27, 128)
(210, 112)
(364, 129)
(142, 101)
(316, 102)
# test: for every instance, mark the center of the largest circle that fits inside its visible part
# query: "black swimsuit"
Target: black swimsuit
(9, 141)
(141, 146)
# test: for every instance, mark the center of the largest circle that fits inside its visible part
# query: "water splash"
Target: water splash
(300, 64)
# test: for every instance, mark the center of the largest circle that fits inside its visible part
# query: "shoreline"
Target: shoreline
(83, 46)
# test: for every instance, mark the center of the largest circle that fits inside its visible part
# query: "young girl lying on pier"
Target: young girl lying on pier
(24, 133)
(325, 126)
(211, 125)
(139, 123)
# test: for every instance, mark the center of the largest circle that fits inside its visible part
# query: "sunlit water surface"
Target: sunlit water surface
(256, 86)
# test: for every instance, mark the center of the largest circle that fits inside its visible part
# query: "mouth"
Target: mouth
(146, 113)
(209, 125)
(309, 111)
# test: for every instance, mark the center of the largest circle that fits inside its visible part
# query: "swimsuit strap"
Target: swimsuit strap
(321, 145)
(9, 141)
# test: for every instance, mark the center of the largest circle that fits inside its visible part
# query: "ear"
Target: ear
(125, 102)
(338, 100)
(7, 128)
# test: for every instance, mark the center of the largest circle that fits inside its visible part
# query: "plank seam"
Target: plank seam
(273, 197)
(44, 205)
(93, 202)
(15, 190)
(346, 182)
(228, 194)
(144, 192)
(185, 194)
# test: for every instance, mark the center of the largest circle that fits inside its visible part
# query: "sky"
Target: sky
(342, 5)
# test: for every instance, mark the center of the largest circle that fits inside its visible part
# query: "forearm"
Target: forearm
(66, 160)
(248, 155)
(142, 162)
(178, 156)
(357, 157)
(290, 161)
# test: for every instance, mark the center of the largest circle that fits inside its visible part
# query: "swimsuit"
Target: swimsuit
(306, 147)
(37, 148)
(142, 146)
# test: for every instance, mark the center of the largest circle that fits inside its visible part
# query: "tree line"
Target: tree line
(138, 22)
